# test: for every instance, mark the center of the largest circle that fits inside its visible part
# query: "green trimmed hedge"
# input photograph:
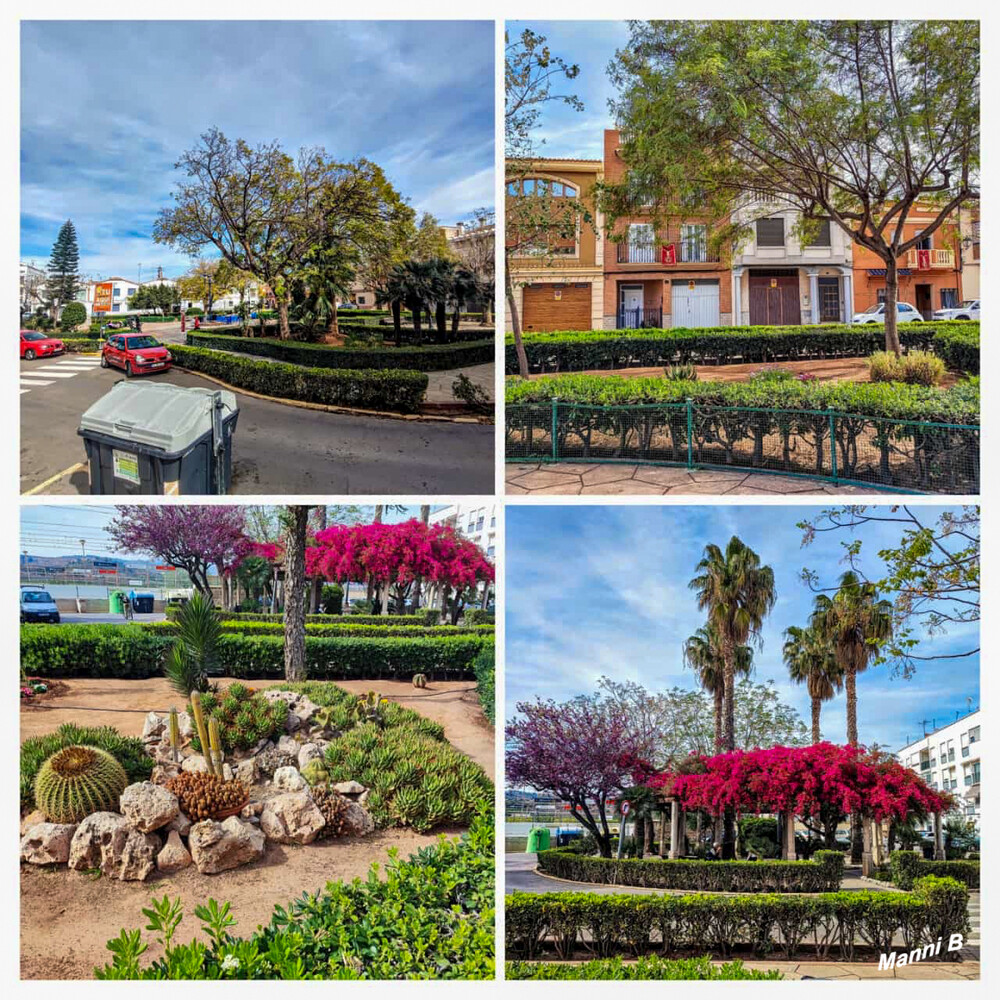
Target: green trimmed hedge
(567, 351)
(608, 925)
(647, 967)
(79, 345)
(426, 617)
(363, 388)
(346, 629)
(427, 358)
(131, 651)
(906, 868)
(822, 874)
(478, 616)
(958, 347)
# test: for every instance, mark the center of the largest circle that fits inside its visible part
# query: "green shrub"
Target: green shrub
(914, 368)
(395, 621)
(127, 750)
(484, 666)
(958, 347)
(74, 345)
(72, 316)
(332, 599)
(607, 925)
(477, 616)
(367, 389)
(426, 358)
(194, 311)
(759, 835)
(123, 651)
(429, 917)
(823, 873)
(907, 868)
(342, 627)
(644, 968)
(583, 350)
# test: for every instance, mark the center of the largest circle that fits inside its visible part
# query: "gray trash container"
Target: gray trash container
(160, 439)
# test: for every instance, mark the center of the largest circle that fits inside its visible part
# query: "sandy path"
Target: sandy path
(82, 914)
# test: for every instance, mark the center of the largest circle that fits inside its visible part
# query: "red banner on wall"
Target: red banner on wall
(923, 260)
(668, 255)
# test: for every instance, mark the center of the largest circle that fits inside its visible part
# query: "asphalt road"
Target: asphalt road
(278, 449)
(67, 618)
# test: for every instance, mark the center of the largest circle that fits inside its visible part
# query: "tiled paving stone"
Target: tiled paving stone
(544, 478)
(626, 487)
(669, 478)
(608, 474)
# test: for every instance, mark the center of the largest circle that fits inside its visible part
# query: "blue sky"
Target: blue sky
(591, 45)
(107, 108)
(594, 590)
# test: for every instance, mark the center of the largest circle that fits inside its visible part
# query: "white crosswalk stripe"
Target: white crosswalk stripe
(42, 375)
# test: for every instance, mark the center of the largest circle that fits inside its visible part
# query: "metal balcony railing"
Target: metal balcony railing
(652, 253)
(640, 318)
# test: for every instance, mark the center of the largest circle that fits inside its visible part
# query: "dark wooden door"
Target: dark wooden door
(774, 301)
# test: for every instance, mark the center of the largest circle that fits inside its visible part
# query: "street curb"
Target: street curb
(327, 408)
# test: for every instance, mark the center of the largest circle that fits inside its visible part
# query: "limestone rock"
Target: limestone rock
(138, 858)
(358, 821)
(153, 728)
(33, 818)
(105, 840)
(288, 779)
(195, 763)
(147, 807)
(287, 745)
(174, 856)
(252, 810)
(349, 787)
(162, 773)
(217, 847)
(272, 757)
(180, 823)
(291, 818)
(300, 708)
(246, 771)
(47, 843)
(309, 752)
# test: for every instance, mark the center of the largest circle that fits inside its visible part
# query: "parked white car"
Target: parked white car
(905, 313)
(967, 310)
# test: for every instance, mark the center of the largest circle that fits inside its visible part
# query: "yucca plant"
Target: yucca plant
(194, 656)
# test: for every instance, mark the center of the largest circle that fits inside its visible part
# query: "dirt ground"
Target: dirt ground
(830, 370)
(67, 917)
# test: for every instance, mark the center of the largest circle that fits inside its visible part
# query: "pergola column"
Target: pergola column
(663, 831)
(789, 831)
(938, 838)
(813, 294)
(675, 829)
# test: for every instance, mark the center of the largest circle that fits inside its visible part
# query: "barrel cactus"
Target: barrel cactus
(315, 773)
(420, 680)
(77, 781)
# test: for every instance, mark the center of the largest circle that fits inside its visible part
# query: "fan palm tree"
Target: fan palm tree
(811, 661)
(440, 291)
(465, 288)
(737, 592)
(703, 653)
(855, 621)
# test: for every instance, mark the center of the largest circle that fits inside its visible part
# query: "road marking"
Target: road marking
(35, 381)
(55, 373)
(54, 479)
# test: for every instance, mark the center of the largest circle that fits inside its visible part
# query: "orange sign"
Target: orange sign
(102, 297)
(774, 282)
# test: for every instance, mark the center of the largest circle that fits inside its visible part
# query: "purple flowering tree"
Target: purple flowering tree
(191, 537)
(582, 751)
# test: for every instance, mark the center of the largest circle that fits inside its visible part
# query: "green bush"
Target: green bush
(127, 750)
(72, 316)
(367, 389)
(194, 311)
(759, 835)
(76, 345)
(332, 599)
(645, 968)
(907, 868)
(429, 917)
(477, 616)
(264, 616)
(608, 925)
(343, 627)
(567, 351)
(914, 368)
(958, 347)
(426, 358)
(823, 873)
(484, 666)
(134, 651)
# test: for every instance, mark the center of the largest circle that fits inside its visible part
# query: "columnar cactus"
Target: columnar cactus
(175, 734)
(77, 781)
(199, 724)
(215, 745)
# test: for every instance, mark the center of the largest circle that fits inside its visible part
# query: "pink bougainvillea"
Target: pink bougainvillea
(802, 779)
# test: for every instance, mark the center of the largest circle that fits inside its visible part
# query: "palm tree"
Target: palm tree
(737, 592)
(465, 288)
(399, 291)
(194, 656)
(855, 621)
(703, 653)
(441, 290)
(811, 661)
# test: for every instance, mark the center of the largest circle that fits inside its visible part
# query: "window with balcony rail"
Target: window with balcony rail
(694, 244)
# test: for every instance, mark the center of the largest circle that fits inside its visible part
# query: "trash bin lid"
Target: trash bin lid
(156, 414)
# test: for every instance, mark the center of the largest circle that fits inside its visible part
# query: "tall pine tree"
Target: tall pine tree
(63, 272)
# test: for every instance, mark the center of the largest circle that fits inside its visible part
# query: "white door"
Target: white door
(694, 303)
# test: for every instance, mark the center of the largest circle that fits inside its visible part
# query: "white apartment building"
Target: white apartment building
(476, 521)
(115, 298)
(780, 280)
(32, 285)
(948, 759)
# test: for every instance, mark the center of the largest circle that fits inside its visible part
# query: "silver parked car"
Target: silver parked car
(905, 313)
(967, 310)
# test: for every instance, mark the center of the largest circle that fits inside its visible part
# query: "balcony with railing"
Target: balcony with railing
(640, 318)
(936, 259)
(652, 253)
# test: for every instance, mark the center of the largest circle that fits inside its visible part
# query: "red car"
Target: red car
(137, 353)
(37, 345)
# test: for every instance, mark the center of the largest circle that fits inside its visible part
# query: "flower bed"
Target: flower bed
(564, 351)
(905, 868)
(426, 358)
(363, 388)
(823, 873)
(828, 925)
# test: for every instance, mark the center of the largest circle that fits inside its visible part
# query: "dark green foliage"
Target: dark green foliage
(254, 616)
(73, 314)
(127, 750)
(428, 917)
(428, 358)
(826, 924)
(75, 345)
(822, 874)
(337, 626)
(477, 616)
(63, 278)
(194, 656)
(362, 388)
(124, 651)
(484, 666)
(645, 968)
(759, 835)
(473, 395)
(332, 599)
(245, 717)
(592, 349)
(906, 868)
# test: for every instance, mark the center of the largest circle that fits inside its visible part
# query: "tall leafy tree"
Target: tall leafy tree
(737, 592)
(861, 124)
(811, 661)
(63, 276)
(703, 653)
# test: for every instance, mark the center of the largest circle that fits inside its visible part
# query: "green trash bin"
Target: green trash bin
(115, 605)
(538, 840)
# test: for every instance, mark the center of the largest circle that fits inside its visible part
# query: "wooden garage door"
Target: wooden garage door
(774, 300)
(556, 307)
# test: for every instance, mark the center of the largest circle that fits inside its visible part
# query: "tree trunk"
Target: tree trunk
(816, 706)
(729, 816)
(515, 323)
(333, 328)
(441, 321)
(454, 323)
(295, 593)
(284, 330)
(415, 312)
(397, 322)
(891, 298)
(719, 696)
(851, 689)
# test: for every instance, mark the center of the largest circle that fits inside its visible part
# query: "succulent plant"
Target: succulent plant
(206, 796)
(334, 809)
(175, 733)
(315, 773)
(77, 781)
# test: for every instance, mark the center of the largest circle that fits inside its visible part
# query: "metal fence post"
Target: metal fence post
(833, 445)
(690, 435)
(555, 428)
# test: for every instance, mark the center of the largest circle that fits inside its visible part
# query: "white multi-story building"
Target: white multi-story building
(948, 759)
(32, 287)
(476, 521)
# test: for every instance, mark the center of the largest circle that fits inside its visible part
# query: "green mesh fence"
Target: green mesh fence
(907, 456)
